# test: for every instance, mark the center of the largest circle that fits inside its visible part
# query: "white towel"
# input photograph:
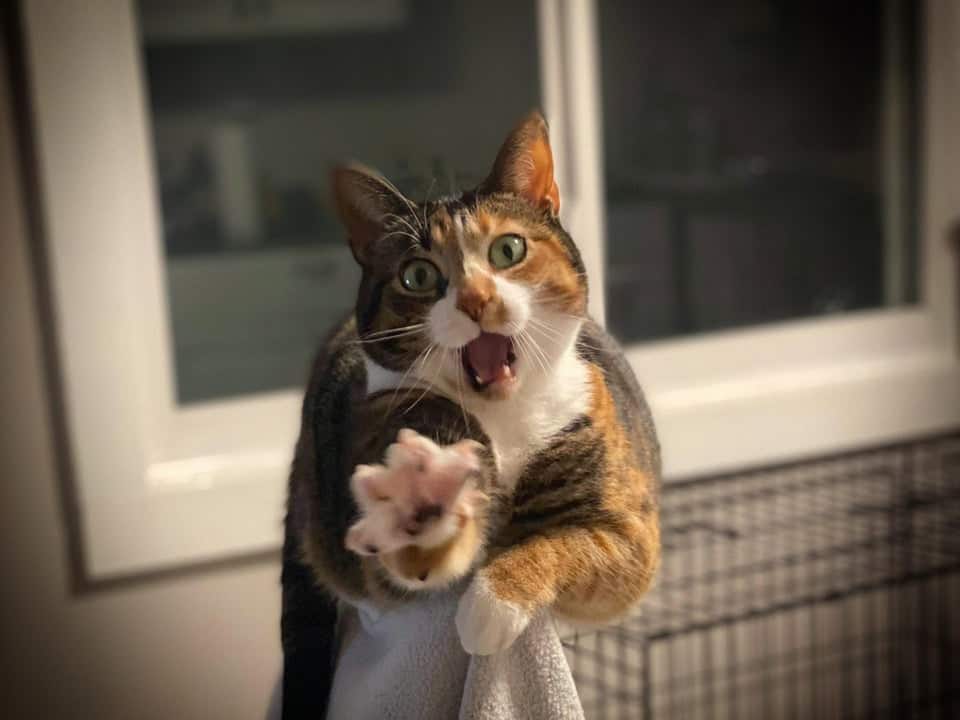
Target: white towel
(408, 664)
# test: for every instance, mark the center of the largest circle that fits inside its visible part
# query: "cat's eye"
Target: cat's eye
(507, 250)
(420, 276)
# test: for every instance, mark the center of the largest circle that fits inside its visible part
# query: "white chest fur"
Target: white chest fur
(522, 425)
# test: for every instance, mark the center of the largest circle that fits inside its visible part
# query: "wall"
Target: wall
(198, 646)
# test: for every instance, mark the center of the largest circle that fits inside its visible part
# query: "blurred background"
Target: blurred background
(757, 184)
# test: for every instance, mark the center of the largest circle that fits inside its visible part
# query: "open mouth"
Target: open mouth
(489, 360)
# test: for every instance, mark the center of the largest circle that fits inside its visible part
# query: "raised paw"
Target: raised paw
(487, 624)
(422, 495)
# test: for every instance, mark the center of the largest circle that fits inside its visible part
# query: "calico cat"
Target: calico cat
(470, 325)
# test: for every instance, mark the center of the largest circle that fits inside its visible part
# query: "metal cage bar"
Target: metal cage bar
(825, 589)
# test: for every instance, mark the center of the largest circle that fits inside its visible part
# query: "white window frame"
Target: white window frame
(161, 485)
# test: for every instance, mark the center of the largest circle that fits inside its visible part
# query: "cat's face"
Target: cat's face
(479, 294)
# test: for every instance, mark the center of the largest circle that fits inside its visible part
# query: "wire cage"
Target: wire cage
(828, 589)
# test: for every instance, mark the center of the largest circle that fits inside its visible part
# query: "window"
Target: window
(760, 161)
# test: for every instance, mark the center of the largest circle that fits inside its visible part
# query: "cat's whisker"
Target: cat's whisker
(406, 223)
(391, 334)
(539, 359)
(564, 314)
(514, 327)
(410, 230)
(545, 361)
(413, 326)
(544, 337)
(403, 379)
(414, 241)
(386, 339)
(528, 347)
(420, 364)
(399, 222)
(542, 327)
(545, 299)
(543, 356)
(553, 304)
(430, 384)
(405, 336)
(547, 335)
(463, 409)
(545, 328)
(522, 347)
(403, 197)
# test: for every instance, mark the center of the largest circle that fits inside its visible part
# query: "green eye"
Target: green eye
(420, 276)
(507, 250)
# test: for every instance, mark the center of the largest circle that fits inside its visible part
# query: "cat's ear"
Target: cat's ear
(524, 165)
(364, 200)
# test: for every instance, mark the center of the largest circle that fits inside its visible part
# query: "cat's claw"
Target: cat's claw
(486, 623)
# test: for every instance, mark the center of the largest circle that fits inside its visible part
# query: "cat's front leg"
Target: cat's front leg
(503, 597)
(586, 574)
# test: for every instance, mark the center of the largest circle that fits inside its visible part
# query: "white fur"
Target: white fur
(517, 300)
(485, 623)
(450, 327)
(380, 378)
(520, 426)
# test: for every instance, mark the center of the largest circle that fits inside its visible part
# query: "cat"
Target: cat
(470, 327)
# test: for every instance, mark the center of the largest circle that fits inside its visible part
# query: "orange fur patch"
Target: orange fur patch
(594, 574)
(548, 268)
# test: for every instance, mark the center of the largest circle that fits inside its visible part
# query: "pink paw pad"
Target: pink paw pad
(420, 495)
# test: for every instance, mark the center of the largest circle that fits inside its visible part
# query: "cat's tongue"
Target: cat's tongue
(489, 357)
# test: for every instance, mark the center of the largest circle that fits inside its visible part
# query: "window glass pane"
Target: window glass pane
(251, 104)
(761, 160)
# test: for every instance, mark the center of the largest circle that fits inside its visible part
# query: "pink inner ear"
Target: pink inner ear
(524, 165)
(541, 188)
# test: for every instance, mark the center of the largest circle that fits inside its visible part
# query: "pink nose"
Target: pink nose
(473, 298)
